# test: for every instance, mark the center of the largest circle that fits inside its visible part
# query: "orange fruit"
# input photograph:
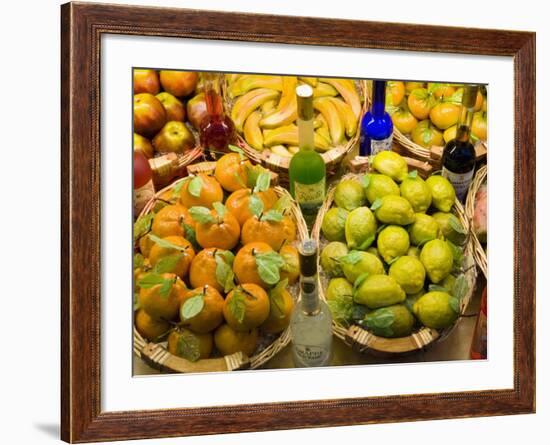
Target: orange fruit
(444, 115)
(289, 229)
(145, 245)
(211, 314)
(203, 270)
(291, 269)
(420, 103)
(228, 341)
(404, 120)
(409, 86)
(441, 90)
(190, 345)
(281, 307)
(158, 305)
(181, 267)
(426, 134)
(168, 221)
(396, 91)
(164, 199)
(232, 171)
(246, 307)
(222, 231)
(244, 265)
(269, 232)
(238, 203)
(150, 328)
(200, 190)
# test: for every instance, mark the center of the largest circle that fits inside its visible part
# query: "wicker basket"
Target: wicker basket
(156, 354)
(364, 341)
(280, 164)
(479, 252)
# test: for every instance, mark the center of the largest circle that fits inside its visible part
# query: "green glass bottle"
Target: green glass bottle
(307, 171)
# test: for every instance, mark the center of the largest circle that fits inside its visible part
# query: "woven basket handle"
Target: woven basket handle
(159, 358)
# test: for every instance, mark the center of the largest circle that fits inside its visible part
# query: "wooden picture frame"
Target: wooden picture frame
(82, 26)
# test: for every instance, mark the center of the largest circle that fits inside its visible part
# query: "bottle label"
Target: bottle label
(372, 146)
(460, 181)
(310, 195)
(310, 355)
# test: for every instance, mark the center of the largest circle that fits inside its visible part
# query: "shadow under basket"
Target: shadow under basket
(365, 341)
(157, 356)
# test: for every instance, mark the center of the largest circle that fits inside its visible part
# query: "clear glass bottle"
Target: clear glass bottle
(307, 171)
(311, 321)
(459, 156)
(376, 125)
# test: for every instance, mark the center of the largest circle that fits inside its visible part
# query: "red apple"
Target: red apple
(175, 111)
(149, 114)
(179, 83)
(146, 81)
(196, 110)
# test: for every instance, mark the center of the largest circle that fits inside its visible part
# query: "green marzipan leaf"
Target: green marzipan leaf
(277, 299)
(255, 205)
(188, 347)
(239, 179)
(358, 312)
(236, 149)
(269, 264)
(352, 257)
(437, 288)
(263, 181)
(177, 188)
(393, 260)
(455, 304)
(359, 280)
(366, 181)
(380, 319)
(192, 307)
(342, 309)
(272, 215)
(220, 209)
(167, 263)
(460, 287)
(190, 235)
(237, 305)
(365, 244)
(149, 280)
(376, 204)
(195, 186)
(138, 260)
(283, 203)
(456, 225)
(143, 225)
(201, 215)
(413, 174)
(227, 256)
(137, 305)
(166, 244)
(458, 257)
(166, 287)
(224, 274)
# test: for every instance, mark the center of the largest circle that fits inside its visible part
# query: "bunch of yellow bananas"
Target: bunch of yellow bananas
(264, 111)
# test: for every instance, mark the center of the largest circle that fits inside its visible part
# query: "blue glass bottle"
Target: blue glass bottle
(376, 125)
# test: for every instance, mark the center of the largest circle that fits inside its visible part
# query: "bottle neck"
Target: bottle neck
(305, 134)
(212, 97)
(464, 124)
(378, 98)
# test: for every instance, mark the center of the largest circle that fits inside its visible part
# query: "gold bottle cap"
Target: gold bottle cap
(304, 97)
(469, 96)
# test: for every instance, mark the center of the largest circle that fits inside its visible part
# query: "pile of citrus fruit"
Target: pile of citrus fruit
(393, 250)
(214, 262)
(428, 112)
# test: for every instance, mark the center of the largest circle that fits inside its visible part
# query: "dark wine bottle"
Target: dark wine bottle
(459, 155)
